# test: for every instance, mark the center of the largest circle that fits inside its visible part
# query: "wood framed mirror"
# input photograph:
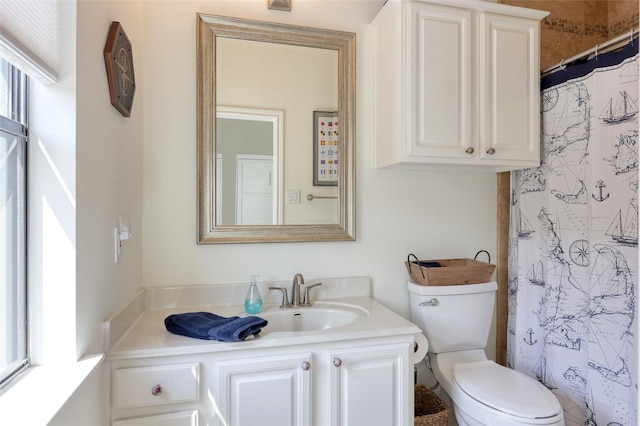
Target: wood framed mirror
(245, 65)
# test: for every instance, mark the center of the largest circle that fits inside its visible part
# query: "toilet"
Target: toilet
(456, 320)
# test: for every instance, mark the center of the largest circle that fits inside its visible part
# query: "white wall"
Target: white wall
(432, 214)
(109, 170)
(86, 164)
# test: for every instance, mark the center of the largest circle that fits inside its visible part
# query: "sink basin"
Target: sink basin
(309, 319)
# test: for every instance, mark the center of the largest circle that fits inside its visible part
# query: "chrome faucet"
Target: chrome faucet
(298, 280)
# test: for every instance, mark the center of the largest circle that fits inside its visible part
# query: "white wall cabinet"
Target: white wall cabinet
(457, 84)
(355, 382)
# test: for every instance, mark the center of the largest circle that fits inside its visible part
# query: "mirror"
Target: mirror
(275, 128)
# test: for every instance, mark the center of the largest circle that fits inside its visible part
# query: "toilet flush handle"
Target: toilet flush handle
(432, 302)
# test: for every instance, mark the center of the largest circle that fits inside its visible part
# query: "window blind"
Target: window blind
(29, 37)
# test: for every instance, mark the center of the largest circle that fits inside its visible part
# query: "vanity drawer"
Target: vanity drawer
(163, 384)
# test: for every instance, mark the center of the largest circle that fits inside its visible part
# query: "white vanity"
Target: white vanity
(357, 372)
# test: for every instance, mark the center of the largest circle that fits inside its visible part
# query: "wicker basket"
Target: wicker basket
(448, 271)
(430, 410)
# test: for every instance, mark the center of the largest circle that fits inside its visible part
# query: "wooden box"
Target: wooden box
(450, 271)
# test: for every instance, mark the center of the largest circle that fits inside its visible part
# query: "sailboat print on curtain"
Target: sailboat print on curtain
(623, 109)
(625, 232)
(543, 374)
(524, 227)
(573, 283)
(536, 274)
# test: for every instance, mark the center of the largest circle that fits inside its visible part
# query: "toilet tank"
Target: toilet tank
(453, 317)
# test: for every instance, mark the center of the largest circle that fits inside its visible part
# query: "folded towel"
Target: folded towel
(208, 326)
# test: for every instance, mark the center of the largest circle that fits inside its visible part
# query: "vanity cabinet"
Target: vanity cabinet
(457, 84)
(268, 390)
(368, 385)
(353, 382)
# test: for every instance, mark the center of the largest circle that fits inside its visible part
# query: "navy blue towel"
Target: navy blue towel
(208, 326)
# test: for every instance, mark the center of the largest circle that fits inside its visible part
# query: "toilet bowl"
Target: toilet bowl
(456, 321)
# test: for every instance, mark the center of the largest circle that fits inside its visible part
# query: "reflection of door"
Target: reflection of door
(255, 201)
(218, 189)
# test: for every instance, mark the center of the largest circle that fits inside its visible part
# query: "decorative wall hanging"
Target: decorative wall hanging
(118, 58)
(326, 152)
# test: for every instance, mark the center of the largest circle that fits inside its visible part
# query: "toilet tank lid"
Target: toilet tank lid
(506, 390)
(445, 290)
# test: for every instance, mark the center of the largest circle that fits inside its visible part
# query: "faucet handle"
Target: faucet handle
(285, 298)
(306, 301)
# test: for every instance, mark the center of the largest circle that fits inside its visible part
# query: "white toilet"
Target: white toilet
(456, 320)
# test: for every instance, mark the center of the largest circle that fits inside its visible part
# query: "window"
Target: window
(13, 224)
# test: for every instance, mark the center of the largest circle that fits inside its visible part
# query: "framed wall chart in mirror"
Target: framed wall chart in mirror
(326, 151)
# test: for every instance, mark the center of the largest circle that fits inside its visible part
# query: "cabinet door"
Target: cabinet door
(509, 88)
(369, 385)
(441, 82)
(265, 391)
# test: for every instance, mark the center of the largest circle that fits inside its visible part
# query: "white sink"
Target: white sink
(313, 318)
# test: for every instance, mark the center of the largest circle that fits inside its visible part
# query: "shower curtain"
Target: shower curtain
(573, 255)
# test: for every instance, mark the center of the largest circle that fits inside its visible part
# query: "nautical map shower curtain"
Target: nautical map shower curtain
(573, 261)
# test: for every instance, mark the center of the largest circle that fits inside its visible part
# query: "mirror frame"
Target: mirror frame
(210, 27)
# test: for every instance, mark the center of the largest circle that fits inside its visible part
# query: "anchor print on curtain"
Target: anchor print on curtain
(573, 260)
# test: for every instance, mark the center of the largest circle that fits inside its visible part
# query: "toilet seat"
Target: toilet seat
(505, 390)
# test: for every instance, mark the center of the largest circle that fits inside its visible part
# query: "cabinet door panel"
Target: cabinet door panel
(511, 90)
(440, 82)
(265, 391)
(367, 386)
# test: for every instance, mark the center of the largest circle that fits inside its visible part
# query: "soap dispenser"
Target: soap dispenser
(253, 301)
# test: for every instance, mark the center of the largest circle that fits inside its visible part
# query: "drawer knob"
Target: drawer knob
(470, 150)
(491, 151)
(305, 365)
(337, 362)
(156, 390)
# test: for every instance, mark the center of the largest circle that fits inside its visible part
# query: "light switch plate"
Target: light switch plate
(293, 196)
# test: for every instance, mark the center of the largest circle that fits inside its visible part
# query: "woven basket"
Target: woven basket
(430, 410)
(449, 271)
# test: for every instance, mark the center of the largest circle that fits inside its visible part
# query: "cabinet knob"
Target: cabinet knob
(156, 390)
(337, 362)
(491, 151)
(470, 150)
(305, 365)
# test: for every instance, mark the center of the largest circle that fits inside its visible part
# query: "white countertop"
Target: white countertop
(149, 337)
(138, 331)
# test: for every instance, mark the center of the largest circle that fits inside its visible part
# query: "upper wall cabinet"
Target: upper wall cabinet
(457, 83)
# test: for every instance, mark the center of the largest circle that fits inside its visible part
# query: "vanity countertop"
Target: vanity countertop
(149, 337)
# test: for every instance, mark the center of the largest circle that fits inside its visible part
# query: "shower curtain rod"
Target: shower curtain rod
(600, 48)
